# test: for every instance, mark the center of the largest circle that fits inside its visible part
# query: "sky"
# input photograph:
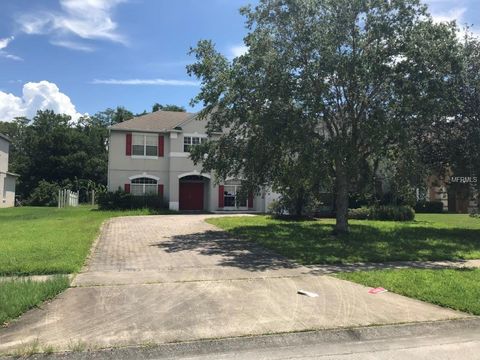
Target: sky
(82, 56)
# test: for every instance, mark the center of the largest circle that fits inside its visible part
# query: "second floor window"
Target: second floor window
(189, 141)
(145, 145)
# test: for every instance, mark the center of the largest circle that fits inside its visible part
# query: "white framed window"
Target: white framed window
(189, 141)
(144, 186)
(144, 145)
(231, 198)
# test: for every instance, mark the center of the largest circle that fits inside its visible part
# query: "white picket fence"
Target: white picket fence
(67, 198)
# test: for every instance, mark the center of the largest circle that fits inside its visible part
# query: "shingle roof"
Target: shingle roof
(155, 121)
(5, 137)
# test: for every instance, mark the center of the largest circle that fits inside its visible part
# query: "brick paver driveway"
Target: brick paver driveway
(175, 278)
(140, 250)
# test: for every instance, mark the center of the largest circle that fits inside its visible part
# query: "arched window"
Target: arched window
(144, 186)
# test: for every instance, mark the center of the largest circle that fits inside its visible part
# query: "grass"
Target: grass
(37, 240)
(429, 237)
(18, 296)
(457, 289)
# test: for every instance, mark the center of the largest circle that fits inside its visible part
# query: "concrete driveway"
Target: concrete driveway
(160, 279)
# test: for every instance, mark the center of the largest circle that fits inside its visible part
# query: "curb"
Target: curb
(327, 336)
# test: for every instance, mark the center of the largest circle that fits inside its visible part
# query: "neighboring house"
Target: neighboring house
(149, 154)
(7, 179)
(458, 194)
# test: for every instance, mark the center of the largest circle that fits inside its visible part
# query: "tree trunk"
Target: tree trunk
(299, 204)
(341, 201)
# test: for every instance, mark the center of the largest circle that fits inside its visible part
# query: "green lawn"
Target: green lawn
(456, 289)
(36, 240)
(429, 237)
(17, 296)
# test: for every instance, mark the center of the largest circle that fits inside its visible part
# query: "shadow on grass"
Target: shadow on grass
(233, 252)
(312, 243)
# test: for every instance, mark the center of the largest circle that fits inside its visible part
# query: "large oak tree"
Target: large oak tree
(325, 84)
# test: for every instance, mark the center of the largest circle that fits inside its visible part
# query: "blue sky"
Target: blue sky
(82, 56)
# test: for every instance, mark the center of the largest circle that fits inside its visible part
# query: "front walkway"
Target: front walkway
(161, 279)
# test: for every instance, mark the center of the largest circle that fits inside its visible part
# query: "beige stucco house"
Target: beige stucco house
(149, 154)
(7, 179)
(457, 194)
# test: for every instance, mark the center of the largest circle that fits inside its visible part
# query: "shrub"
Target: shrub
(383, 212)
(429, 207)
(284, 207)
(276, 208)
(475, 213)
(395, 213)
(120, 200)
(362, 213)
(45, 194)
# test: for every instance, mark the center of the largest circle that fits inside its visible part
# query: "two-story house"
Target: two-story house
(7, 179)
(149, 154)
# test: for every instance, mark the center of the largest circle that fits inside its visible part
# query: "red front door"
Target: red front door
(191, 196)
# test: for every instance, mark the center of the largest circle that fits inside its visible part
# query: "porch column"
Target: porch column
(173, 198)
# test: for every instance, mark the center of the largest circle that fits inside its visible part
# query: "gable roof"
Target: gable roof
(5, 137)
(155, 122)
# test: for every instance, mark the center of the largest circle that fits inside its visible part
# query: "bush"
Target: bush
(45, 194)
(363, 213)
(284, 207)
(276, 208)
(383, 212)
(300, 206)
(395, 213)
(120, 200)
(429, 207)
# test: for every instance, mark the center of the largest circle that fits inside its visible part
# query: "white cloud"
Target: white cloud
(10, 106)
(41, 95)
(4, 42)
(11, 56)
(238, 50)
(86, 19)
(450, 15)
(456, 14)
(146, 82)
(3, 45)
(72, 45)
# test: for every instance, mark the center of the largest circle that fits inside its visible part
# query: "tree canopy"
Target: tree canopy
(325, 85)
(51, 148)
(168, 107)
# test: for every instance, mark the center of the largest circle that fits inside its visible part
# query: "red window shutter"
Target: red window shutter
(127, 188)
(250, 200)
(128, 144)
(221, 190)
(161, 145)
(160, 190)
